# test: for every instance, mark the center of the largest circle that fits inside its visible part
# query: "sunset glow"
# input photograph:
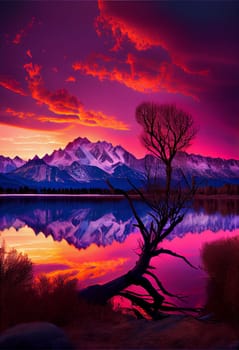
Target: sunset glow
(71, 69)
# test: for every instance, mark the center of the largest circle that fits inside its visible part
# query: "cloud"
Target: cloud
(12, 85)
(29, 54)
(60, 102)
(121, 29)
(71, 79)
(187, 48)
(145, 25)
(142, 74)
(30, 120)
(66, 105)
(23, 32)
(20, 115)
(55, 119)
(193, 34)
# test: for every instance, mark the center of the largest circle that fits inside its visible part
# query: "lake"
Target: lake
(94, 239)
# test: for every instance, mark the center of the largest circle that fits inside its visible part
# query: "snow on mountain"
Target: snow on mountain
(83, 163)
(86, 173)
(100, 154)
(37, 170)
(7, 164)
(119, 163)
(207, 167)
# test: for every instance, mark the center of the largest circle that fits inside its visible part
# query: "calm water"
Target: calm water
(95, 240)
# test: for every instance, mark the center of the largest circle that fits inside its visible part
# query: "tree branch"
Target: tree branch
(163, 289)
(170, 252)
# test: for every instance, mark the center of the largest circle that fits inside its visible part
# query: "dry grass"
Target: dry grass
(221, 262)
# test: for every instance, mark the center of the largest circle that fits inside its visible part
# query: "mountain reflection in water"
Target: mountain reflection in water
(65, 225)
(84, 221)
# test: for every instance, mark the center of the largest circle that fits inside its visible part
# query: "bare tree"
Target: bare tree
(164, 215)
(166, 130)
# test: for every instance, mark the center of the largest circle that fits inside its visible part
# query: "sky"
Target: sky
(80, 68)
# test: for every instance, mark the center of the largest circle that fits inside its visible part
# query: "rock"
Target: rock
(34, 336)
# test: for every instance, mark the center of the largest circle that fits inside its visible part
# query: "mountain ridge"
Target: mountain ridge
(86, 164)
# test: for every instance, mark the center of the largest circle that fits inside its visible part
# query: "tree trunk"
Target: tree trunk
(100, 294)
(168, 179)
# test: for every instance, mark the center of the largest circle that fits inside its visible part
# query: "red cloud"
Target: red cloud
(37, 117)
(30, 120)
(23, 32)
(122, 29)
(140, 74)
(59, 102)
(71, 79)
(12, 85)
(62, 103)
(137, 23)
(29, 54)
(21, 115)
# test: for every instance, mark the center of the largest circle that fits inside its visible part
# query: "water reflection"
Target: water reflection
(79, 222)
(82, 222)
(63, 226)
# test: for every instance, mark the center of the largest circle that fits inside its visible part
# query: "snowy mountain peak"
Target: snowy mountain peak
(99, 154)
(8, 165)
(84, 163)
(77, 143)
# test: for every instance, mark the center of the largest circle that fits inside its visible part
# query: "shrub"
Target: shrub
(25, 298)
(221, 262)
(15, 269)
(16, 277)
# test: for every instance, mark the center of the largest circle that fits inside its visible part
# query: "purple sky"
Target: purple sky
(80, 68)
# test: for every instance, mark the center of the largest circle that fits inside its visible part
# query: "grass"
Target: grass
(221, 262)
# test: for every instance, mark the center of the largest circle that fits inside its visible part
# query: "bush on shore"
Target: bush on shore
(25, 298)
(221, 262)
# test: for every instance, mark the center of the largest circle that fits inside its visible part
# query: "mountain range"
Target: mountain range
(83, 164)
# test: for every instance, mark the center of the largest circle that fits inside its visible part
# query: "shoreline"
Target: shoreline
(113, 196)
